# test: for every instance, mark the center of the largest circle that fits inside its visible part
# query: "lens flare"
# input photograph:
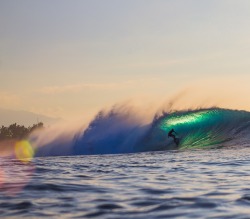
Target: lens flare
(24, 151)
(2, 178)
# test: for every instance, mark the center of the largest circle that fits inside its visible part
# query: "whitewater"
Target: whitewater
(120, 166)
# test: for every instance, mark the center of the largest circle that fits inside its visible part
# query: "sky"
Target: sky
(70, 59)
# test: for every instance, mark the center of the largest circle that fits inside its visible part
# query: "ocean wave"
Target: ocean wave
(117, 132)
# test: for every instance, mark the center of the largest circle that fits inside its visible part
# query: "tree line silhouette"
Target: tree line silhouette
(19, 132)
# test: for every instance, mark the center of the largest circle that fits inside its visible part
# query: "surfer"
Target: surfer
(171, 134)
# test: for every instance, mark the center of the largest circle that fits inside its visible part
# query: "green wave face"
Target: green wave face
(196, 129)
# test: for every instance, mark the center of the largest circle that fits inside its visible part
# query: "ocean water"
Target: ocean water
(189, 183)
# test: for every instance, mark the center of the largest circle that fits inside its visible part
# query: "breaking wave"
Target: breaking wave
(122, 132)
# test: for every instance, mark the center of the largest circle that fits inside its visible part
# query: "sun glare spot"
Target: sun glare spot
(24, 151)
(192, 118)
(188, 119)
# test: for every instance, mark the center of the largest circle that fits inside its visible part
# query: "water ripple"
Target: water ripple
(187, 184)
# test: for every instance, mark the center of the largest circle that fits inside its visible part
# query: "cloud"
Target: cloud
(76, 88)
(9, 99)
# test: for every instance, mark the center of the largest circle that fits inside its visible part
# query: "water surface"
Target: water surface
(212, 183)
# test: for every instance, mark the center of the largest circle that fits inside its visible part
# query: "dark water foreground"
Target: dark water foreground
(184, 184)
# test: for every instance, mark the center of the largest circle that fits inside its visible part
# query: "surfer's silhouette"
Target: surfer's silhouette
(171, 134)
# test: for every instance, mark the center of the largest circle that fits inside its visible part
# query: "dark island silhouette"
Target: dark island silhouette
(15, 131)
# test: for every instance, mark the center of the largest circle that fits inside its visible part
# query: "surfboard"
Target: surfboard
(177, 141)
